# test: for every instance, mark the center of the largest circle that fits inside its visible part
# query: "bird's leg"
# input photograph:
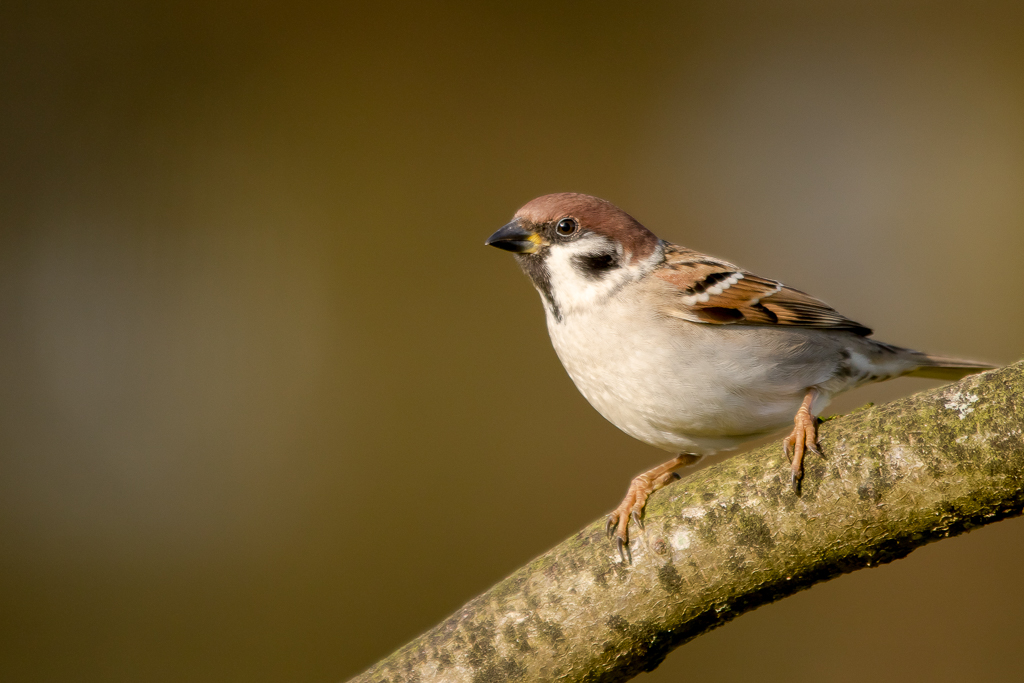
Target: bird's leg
(804, 436)
(632, 505)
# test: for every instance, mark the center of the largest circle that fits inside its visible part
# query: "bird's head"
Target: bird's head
(577, 249)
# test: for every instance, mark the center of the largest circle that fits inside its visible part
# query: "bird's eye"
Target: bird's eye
(567, 226)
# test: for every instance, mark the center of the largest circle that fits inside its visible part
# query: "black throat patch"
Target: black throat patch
(533, 265)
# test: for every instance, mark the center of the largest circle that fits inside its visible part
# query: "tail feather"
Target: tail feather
(940, 367)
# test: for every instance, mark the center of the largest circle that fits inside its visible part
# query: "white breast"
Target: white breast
(682, 386)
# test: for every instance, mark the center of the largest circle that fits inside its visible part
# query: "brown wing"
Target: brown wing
(716, 292)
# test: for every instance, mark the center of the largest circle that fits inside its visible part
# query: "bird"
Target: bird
(687, 352)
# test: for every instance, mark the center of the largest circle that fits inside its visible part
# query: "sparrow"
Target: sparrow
(687, 352)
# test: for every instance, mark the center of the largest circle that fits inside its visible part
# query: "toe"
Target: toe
(637, 519)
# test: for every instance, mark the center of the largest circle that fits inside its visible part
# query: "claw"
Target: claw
(785, 449)
(624, 551)
(795, 478)
(609, 526)
(635, 516)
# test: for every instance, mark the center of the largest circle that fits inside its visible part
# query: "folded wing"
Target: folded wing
(708, 290)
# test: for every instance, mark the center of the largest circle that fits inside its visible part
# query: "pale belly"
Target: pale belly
(708, 389)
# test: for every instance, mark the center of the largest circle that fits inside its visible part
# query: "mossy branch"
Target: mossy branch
(734, 536)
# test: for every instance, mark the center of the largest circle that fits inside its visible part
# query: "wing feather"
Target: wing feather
(708, 290)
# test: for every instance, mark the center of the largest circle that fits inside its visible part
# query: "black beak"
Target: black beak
(514, 237)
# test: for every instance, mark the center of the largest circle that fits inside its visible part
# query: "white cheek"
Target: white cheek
(572, 289)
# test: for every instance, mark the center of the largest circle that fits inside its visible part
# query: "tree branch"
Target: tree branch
(734, 536)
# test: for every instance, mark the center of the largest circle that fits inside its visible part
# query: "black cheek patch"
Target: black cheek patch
(594, 266)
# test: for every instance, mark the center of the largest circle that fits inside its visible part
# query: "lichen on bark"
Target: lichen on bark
(734, 536)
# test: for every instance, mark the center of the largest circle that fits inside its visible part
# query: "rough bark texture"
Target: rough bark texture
(734, 536)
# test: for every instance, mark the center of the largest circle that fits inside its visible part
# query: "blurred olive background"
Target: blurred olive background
(268, 406)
